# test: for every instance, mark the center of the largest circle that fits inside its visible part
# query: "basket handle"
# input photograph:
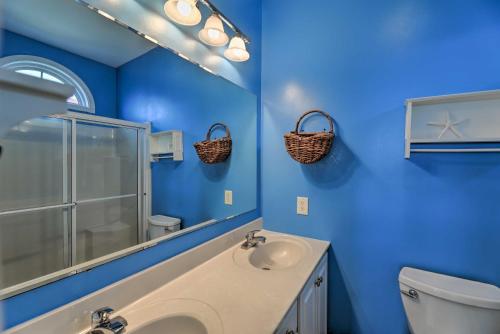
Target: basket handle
(228, 134)
(330, 119)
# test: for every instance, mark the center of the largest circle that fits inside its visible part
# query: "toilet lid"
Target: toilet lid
(164, 221)
(452, 288)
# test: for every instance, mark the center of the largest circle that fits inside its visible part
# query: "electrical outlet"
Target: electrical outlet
(228, 197)
(302, 206)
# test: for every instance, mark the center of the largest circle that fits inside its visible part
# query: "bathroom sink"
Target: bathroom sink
(179, 324)
(173, 316)
(277, 253)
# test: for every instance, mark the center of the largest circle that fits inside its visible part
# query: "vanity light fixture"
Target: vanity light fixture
(237, 50)
(184, 12)
(213, 33)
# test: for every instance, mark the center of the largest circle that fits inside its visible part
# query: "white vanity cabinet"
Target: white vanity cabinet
(308, 315)
(313, 301)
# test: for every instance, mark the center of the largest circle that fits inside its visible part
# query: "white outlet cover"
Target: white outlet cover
(228, 197)
(302, 206)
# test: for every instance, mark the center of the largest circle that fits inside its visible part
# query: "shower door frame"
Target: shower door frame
(142, 175)
(143, 200)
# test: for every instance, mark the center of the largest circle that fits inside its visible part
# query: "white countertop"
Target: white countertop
(213, 283)
(245, 299)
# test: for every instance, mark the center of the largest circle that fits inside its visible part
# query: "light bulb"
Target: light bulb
(213, 32)
(237, 50)
(238, 53)
(183, 12)
(184, 8)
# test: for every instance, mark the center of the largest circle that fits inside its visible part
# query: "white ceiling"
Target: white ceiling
(72, 27)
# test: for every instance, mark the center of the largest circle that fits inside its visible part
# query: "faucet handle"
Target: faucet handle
(101, 316)
(118, 325)
(250, 235)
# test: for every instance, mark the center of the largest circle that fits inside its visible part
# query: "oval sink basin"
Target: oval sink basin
(173, 316)
(173, 325)
(277, 253)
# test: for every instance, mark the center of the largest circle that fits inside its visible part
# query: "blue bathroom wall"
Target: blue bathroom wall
(359, 61)
(99, 78)
(166, 90)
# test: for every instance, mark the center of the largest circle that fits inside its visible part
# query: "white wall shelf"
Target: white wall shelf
(166, 145)
(453, 121)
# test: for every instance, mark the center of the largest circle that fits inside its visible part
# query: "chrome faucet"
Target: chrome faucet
(252, 240)
(102, 324)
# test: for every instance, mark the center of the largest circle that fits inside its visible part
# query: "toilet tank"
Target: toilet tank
(440, 304)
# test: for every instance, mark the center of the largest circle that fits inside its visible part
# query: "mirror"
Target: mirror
(100, 181)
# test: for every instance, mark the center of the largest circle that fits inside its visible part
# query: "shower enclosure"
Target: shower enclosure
(72, 189)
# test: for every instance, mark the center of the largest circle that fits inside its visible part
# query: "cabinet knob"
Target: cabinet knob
(318, 281)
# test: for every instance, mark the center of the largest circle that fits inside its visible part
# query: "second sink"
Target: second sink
(277, 253)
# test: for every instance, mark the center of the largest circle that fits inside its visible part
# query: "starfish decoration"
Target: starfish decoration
(448, 125)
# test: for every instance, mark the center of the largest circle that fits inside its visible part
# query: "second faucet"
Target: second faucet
(252, 240)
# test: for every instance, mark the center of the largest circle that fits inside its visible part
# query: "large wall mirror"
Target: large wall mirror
(81, 188)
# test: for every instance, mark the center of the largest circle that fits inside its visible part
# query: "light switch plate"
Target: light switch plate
(302, 206)
(228, 197)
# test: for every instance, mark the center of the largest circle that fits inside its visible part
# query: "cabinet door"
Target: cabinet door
(322, 296)
(289, 325)
(313, 301)
(307, 307)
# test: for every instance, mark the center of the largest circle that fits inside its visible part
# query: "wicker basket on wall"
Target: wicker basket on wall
(310, 147)
(217, 150)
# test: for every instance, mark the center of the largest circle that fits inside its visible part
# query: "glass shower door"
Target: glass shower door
(71, 190)
(35, 200)
(106, 190)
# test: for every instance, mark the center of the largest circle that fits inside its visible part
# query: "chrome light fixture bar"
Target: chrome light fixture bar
(187, 13)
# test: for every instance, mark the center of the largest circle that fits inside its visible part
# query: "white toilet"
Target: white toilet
(440, 304)
(162, 225)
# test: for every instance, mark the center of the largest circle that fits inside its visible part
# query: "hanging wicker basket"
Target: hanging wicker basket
(217, 150)
(309, 147)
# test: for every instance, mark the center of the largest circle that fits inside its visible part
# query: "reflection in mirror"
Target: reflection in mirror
(81, 188)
